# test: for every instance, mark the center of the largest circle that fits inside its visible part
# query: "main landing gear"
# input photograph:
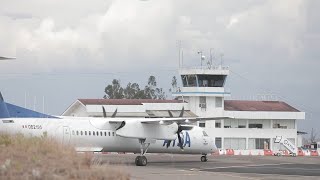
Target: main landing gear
(204, 158)
(142, 160)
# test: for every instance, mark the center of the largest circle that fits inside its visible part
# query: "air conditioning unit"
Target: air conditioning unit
(203, 105)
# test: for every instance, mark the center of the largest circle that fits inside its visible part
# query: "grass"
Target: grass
(43, 158)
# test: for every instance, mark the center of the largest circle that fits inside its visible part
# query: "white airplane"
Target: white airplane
(138, 135)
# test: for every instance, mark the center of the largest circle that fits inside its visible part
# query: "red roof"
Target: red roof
(240, 105)
(229, 105)
(124, 101)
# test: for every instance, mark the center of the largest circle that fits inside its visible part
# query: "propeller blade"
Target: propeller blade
(115, 113)
(170, 114)
(168, 144)
(180, 140)
(182, 111)
(104, 112)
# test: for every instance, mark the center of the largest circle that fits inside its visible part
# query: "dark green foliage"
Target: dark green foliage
(133, 91)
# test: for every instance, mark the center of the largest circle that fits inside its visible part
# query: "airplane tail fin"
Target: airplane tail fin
(4, 113)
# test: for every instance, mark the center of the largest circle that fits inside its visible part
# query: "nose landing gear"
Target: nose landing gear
(142, 160)
(204, 158)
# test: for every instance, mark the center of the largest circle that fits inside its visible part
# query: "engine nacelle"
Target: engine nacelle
(136, 129)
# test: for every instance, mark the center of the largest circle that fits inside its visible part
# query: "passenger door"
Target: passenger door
(66, 135)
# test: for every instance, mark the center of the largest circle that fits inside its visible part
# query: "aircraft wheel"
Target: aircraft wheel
(141, 161)
(204, 159)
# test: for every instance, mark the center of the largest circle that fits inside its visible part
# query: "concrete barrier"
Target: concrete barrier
(229, 152)
(314, 153)
(268, 153)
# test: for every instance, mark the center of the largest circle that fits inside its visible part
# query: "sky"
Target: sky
(72, 49)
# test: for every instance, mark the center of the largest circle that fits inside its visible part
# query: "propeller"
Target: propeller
(179, 137)
(105, 114)
(180, 128)
(182, 111)
(115, 113)
(180, 115)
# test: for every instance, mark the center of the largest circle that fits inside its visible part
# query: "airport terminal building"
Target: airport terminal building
(254, 124)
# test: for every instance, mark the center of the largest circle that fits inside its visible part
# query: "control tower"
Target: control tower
(203, 89)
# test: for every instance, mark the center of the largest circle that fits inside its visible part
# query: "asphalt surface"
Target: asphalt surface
(167, 166)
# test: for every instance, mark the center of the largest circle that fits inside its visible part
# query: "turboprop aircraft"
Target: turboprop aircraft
(137, 135)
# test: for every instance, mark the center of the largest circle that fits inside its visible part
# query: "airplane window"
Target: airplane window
(93, 133)
(109, 133)
(77, 133)
(100, 133)
(81, 133)
(89, 133)
(73, 132)
(85, 133)
(112, 133)
(105, 133)
(204, 133)
(97, 133)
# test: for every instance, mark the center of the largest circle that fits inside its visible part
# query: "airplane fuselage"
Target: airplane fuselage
(96, 134)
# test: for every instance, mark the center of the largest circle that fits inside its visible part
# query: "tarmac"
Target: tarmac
(167, 166)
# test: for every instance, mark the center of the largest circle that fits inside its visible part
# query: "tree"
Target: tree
(133, 91)
(114, 90)
(160, 94)
(174, 84)
(149, 90)
(313, 136)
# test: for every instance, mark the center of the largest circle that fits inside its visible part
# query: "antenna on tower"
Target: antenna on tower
(221, 61)
(179, 51)
(209, 62)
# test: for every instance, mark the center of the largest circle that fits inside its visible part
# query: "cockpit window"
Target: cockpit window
(204, 133)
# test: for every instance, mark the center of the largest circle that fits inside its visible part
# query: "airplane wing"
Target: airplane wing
(155, 128)
(180, 120)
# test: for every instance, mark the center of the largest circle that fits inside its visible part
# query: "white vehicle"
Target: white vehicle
(153, 135)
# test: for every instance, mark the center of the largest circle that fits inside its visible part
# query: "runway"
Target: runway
(166, 166)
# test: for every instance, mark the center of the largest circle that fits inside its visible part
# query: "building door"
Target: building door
(66, 135)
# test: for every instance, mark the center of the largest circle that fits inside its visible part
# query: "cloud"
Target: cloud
(268, 39)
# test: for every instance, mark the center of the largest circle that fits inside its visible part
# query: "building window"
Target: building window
(259, 143)
(283, 124)
(218, 124)
(227, 123)
(218, 142)
(218, 102)
(234, 143)
(259, 126)
(202, 124)
(203, 102)
(235, 123)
